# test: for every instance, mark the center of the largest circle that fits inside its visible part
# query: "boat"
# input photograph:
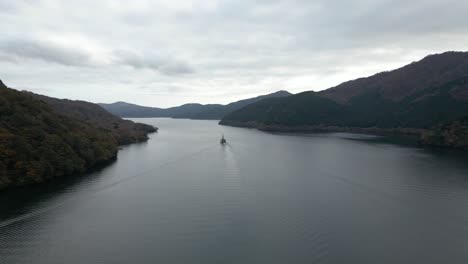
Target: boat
(223, 140)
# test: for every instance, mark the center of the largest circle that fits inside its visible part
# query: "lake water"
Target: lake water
(181, 197)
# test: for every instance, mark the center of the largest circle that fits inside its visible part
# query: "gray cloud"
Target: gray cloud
(11, 6)
(20, 50)
(162, 64)
(215, 51)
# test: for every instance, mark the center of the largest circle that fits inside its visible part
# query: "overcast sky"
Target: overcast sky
(169, 52)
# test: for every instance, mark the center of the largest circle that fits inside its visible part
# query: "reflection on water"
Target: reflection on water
(262, 198)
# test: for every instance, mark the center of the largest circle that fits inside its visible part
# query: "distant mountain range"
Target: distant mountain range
(413, 98)
(42, 138)
(190, 111)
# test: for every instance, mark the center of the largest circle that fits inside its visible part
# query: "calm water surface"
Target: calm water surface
(263, 198)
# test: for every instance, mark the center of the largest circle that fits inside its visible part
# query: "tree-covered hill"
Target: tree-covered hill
(418, 96)
(453, 134)
(124, 131)
(39, 143)
(396, 85)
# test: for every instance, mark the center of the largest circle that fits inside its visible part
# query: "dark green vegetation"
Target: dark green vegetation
(191, 111)
(453, 134)
(125, 131)
(418, 96)
(43, 138)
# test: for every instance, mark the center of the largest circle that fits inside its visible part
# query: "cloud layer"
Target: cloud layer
(170, 52)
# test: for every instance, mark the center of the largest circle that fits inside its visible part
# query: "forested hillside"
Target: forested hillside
(453, 134)
(420, 95)
(124, 131)
(38, 143)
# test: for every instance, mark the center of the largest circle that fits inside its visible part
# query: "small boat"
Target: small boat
(223, 140)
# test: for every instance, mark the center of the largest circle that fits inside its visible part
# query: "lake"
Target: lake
(269, 198)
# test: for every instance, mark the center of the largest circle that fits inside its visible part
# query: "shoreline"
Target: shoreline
(321, 129)
(423, 137)
(95, 167)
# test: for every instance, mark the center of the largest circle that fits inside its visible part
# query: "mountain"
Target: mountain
(123, 109)
(191, 111)
(125, 131)
(410, 99)
(40, 141)
(217, 113)
(396, 85)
